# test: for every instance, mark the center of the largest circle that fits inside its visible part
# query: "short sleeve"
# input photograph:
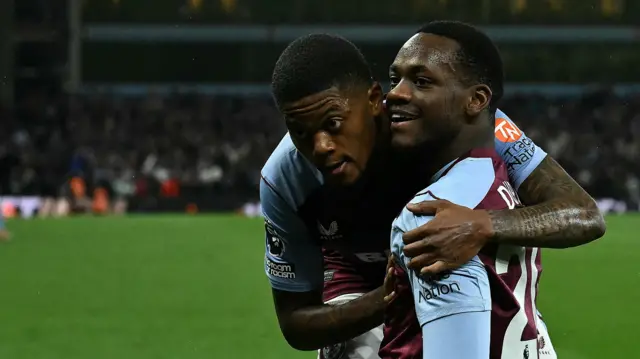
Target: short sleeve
(463, 290)
(293, 261)
(521, 155)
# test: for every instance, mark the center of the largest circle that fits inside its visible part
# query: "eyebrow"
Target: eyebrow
(413, 68)
(310, 107)
(329, 109)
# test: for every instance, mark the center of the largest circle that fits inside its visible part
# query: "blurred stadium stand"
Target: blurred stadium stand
(163, 105)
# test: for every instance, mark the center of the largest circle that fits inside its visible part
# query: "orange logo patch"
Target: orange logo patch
(506, 131)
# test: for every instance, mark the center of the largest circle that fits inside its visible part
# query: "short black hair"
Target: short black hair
(315, 63)
(478, 55)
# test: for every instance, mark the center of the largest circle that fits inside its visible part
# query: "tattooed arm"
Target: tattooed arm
(560, 213)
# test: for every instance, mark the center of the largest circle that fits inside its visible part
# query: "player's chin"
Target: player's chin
(403, 134)
(346, 178)
(404, 142)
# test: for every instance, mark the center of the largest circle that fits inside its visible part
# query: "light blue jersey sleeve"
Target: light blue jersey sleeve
(293, 262)
(465, 335)
(518, 151)
(449, 303)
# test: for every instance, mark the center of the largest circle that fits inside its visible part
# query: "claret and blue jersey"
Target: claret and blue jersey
(301, 216)
(489, 302)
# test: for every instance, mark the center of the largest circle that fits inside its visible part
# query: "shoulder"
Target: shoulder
(465, 183)
(520, 154)
(289, 175)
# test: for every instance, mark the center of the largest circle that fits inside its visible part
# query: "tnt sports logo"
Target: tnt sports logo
(336, 351)
(507, 131)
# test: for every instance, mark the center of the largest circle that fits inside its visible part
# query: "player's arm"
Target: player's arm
(559, 212)
(454, 308)
(294, 265)
(308, 324)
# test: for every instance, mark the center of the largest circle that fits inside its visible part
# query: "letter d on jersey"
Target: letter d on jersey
(509, 195)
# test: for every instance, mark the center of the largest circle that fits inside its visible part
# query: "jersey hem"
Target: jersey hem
(296, 289)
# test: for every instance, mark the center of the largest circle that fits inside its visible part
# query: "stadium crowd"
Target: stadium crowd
(154, 146)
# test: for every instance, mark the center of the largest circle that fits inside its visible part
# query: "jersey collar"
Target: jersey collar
(443, 170)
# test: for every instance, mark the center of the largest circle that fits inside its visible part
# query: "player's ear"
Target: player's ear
(480, 97)
(376, 98)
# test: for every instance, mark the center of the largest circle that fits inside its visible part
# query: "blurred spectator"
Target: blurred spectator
(145, 149)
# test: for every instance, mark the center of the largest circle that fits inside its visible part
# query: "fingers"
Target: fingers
(428, 208)
(389, 286)
(435, 268)
(419, 233)
(390, 261)
(423, 260)
(389, 298)
(390, 281)
(419, 247)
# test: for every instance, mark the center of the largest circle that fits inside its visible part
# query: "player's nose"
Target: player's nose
(400, 93)
(323, 145)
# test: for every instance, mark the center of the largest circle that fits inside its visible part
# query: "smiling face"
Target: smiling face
(429, 101)
(336, 130)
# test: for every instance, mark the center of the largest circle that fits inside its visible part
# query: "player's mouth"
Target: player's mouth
(400, 115)
(335, 168)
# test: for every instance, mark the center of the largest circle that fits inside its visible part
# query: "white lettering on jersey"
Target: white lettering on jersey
(508, 194)
(281, 270)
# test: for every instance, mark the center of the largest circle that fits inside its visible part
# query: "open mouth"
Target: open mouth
(398, 116)
(335, 168)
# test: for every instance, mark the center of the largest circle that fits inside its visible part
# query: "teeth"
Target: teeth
(398, 118)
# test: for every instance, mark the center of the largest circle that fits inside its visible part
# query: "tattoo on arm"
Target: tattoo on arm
(561, 214)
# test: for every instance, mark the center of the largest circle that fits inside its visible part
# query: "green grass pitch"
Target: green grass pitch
(193, 287)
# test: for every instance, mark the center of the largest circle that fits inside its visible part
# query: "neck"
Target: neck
(475, 135)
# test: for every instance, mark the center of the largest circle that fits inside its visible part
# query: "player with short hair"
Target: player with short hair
(335, 182)
(488, 303)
